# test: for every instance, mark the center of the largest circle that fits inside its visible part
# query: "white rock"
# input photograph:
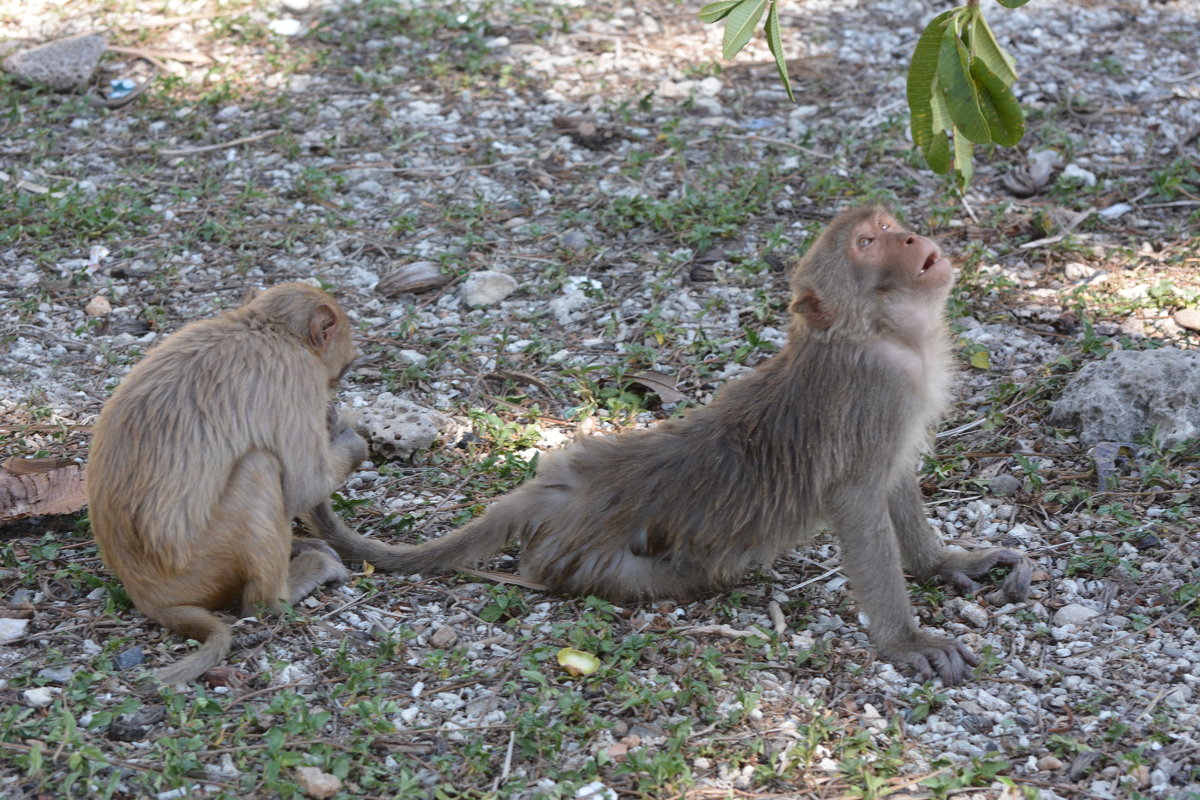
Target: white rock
(1074, 614)
(285, 27)
(40, 696)
(317, 784)
(595, 791)
(63, 65)
(398, 428)
(11, 629)
(974, 615)
(98, 306)
(1073, 172)
(486, 288)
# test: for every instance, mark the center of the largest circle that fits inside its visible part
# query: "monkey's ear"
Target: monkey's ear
(322, 325)
(809, 306)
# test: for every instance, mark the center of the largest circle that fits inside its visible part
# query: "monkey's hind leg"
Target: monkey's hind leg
(313, 563)
(276, 566)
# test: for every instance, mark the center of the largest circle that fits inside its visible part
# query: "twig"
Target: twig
(155, 56)
(188, 151)
(792, 145)
(1070, 226)
(503, 577)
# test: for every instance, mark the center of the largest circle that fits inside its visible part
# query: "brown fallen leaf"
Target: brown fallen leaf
(225, 675)
(662, 385)
(31, 466)
(59, 490)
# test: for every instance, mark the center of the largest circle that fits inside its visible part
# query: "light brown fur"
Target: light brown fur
(207, 451)
(825, 432)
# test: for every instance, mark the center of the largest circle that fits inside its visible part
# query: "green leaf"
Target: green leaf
(986, 48)
(775, 43)
(922, 72)
(937, 155)
(964, 160)
(742, 21)
(941, 112)
(999, 106)
(1012, 3)
(715, 12)
(959, 90)
(981, 360)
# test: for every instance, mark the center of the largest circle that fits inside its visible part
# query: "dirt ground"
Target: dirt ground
(643, 197)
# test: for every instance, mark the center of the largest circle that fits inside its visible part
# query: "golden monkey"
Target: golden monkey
(206, 452)
(824, 433)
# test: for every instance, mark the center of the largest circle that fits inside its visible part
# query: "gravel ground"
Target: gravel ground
(642, 199)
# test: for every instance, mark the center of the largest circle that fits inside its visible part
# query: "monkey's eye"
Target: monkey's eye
(885, 225)
(864, 242)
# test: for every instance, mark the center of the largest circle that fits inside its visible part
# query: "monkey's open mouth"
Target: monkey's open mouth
(933, 258)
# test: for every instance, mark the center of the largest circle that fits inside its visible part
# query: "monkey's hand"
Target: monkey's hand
(961, 569)
(931, 655)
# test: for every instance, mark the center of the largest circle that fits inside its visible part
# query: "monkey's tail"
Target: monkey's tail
(200, 624)
(465, 547)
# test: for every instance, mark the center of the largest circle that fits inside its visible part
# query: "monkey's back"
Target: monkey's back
(687, 506)
(169, 437)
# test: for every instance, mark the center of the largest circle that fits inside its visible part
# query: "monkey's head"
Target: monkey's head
(866, 275)
(316, 319)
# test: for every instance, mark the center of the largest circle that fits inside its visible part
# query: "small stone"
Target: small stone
(486, 288)
(286, 26)
(1146, 542)
(317, 784)
(973, 614)
(1074, 614)
(130, 657)
(1075, 271)
(369, 187)
(977, 723)
(40, 696)
(575, 240)
(413, 357)
(1049, 764)
(59, 675)
(1187, 318)
(98, 306)
(443, 637)
(12, 629)
(1004, 485)
(595, 791)
(63, 65)
(1075, 173)
(1140, 775)
(1116, 210)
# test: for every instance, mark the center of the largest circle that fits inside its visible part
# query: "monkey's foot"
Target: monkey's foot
(300, 545)
(961, 569)
(932, 655)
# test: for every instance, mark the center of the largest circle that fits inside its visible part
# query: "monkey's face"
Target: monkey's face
(891, 257)
(341, 352)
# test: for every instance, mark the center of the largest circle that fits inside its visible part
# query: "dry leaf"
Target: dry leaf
(31, 466)
(662, 385)
(60, 490)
